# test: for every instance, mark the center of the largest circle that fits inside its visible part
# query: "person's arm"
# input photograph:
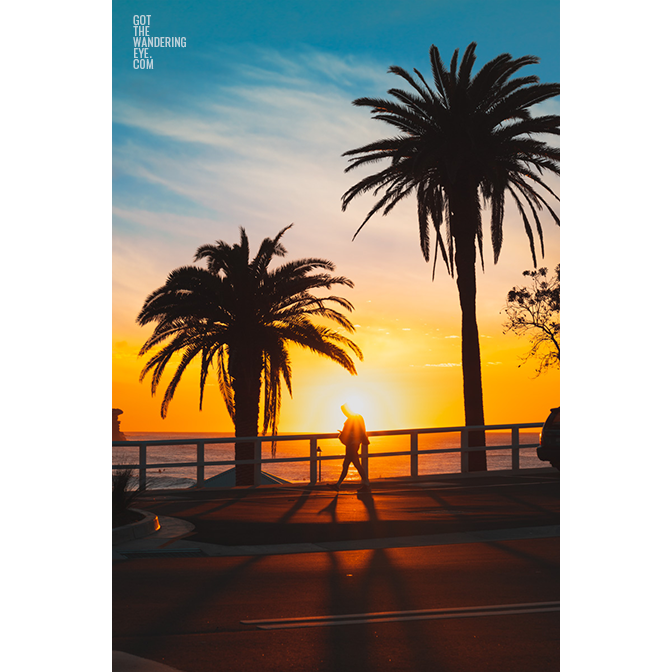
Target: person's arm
(362, 432)
(345, 433)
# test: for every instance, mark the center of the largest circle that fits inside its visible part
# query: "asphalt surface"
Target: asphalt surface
(453, 574)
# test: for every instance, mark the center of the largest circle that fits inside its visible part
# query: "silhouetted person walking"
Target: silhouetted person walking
(353, 435)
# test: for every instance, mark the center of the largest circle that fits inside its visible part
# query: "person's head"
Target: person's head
(346, 411)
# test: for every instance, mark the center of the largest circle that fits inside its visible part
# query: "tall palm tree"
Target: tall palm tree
(468, 142)
(239, 316)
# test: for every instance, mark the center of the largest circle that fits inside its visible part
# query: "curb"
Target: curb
(143, 528)
(125, 662)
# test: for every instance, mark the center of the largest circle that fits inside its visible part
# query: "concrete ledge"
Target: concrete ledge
(143, 528)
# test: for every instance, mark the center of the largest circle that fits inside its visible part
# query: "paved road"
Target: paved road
(441, 607)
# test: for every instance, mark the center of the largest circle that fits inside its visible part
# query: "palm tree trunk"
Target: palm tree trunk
(246, 426)
(465, 261)
(246, 383)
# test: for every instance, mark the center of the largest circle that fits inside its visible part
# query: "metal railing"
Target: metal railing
(315, 458)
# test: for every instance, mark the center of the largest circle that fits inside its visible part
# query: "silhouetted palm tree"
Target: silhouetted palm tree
(470, 139)
(238, 316)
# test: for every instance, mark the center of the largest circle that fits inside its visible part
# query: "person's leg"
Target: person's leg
(360, 469)
(344, 471)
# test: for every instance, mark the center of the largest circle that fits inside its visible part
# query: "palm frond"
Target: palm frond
(238, 311)
(464, 133)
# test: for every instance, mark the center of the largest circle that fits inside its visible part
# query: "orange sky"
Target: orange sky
(408, 329)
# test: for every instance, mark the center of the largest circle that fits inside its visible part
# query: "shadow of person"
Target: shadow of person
(372, 581)
(364, 496)
(330, 509)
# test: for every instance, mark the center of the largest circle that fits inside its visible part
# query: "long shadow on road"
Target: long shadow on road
(331, 509)
(358, 584)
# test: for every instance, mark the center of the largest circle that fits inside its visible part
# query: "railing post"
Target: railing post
(142, 471)
(200, 467)
(257, 462)
(414, 454)
(365, 458)
(313, 460)
(515, 450)
(464, 454)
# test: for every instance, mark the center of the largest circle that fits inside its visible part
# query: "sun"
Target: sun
(362, 399)
(359, 404)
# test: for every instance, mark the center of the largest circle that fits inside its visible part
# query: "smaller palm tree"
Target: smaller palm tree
(238, 317)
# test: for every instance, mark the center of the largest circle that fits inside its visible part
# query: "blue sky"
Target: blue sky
(386, 31)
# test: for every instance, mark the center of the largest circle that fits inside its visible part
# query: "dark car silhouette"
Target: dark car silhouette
(549, 439)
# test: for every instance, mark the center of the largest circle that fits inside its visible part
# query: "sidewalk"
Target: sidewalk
(311, 519)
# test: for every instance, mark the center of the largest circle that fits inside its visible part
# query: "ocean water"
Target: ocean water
(329, 469)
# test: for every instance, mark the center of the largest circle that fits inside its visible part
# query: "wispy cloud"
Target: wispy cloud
(442, 365)
(267, 143)
(260, 148)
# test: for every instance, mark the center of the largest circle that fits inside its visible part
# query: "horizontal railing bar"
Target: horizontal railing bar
(438, 430)
(430, 451)
(223, 439)
(220, 463)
